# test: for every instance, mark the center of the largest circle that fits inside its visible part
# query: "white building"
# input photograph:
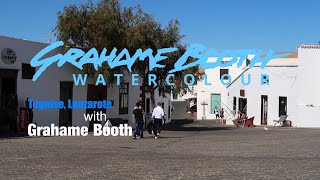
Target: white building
(57, 84)
(215, 95)
(266, 102)
(293, 90)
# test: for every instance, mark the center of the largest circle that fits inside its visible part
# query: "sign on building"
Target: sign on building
(8, 56)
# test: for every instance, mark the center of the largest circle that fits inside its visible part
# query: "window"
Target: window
(242, 93)
(223, 72)
(123, 98)
(27, 71)
(148, 106)
(112, 102)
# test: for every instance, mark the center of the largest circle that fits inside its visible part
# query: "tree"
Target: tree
(107, 25)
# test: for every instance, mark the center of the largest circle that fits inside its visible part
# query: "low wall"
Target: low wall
(180, 110)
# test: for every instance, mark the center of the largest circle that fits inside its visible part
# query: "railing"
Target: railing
(230, 110)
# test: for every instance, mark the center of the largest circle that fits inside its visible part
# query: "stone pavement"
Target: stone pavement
(186, 150)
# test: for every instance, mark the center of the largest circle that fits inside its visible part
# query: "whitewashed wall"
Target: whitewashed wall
(308, 86)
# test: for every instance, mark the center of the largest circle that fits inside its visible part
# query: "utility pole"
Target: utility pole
(49, 35)
(204, 110)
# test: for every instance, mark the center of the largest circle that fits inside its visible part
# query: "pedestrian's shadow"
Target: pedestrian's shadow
(165, 137)
(162, 137)
(191, 125)
(12, 135)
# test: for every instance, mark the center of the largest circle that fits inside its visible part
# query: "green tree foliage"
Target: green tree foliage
(107, 25)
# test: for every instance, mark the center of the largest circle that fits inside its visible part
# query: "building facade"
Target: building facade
(266, 102)
(215, 94)
(293, 90)
(56, 83)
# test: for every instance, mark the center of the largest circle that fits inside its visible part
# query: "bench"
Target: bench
(281, 120)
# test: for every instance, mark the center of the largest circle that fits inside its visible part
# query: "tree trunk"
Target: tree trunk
(153, 101)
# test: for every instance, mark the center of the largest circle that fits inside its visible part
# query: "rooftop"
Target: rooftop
(20, 39)
(309, 46)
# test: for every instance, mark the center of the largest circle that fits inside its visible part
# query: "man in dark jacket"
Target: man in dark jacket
(138, 116)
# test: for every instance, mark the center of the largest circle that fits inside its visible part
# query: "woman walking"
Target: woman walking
(221, 115)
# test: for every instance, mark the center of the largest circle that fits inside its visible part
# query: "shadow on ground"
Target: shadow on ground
(12, 135)
(192, 125)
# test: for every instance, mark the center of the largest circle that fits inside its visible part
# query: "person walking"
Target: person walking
(157, 115)
(138, 120)
(221, 115)
(216, 112)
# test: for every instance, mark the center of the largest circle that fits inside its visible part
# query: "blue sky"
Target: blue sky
(281, 25)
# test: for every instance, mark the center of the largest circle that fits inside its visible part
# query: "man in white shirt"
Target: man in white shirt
(157, 114)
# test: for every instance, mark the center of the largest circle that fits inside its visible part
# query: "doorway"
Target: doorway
(264, 110)
(282, 105)
(66, 93)
(148, 104)
(96, 93)
(234, 106)
(215, 102)
(8, 100)
(243, 105)
(8, 85)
